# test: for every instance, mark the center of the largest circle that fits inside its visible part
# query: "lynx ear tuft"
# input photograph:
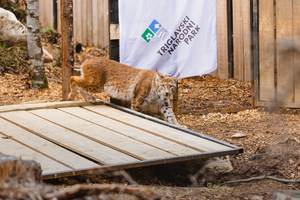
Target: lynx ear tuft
(159, 76)
(176, 77)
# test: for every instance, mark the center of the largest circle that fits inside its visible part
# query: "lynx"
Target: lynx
(126, 83)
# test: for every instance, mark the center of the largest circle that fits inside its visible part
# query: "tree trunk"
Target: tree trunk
(35, 49)
(67, 45)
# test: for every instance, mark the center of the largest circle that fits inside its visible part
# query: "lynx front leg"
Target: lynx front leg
(138, 104)
(77, 82)
(166, 110)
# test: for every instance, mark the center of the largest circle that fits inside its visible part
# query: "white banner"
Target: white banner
(172, 36)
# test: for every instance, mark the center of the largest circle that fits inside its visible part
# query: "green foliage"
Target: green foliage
(13, 9)
(3, 46)
(45, 85)
(47, 31)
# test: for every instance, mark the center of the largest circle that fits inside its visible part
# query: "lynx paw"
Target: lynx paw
(70, 98)
(183, 126)
(91, 99)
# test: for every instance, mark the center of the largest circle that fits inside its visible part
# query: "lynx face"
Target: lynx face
(165, 86)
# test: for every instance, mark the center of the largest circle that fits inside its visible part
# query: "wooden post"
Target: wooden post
(67, 45)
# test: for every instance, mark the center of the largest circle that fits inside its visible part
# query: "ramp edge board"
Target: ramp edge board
(146, 163)
(191, 132)
(24, 107)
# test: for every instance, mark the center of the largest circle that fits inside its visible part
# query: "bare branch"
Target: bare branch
(81, 191)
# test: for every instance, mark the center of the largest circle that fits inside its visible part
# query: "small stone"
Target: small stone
(238, 135)
(256, 197)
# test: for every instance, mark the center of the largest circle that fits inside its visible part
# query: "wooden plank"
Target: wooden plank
(132, 132)
(45, 105)
(105, 136)
(247, 40)
(266, 51)
(296, 32)
(13, 148)
(44, 146)
(285, 72)
(238, 39)
(105, 23)
(77, 22)
(84, 22)
(158, 129)
(101, 24)
(89, 23)
(222, 71)
(41, 8)
(95, 24)
(58, 17)
(67, 138)
(114, 32)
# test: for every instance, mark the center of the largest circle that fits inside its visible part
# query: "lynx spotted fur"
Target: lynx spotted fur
(126, 83)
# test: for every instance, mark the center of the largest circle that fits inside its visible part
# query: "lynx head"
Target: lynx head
(165, 86)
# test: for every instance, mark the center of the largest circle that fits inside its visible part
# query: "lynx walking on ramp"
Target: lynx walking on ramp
(125, 83)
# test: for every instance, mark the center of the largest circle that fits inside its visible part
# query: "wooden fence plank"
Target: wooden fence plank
(296, 32)
(101, 24)
(41, 10)
(285, 72)
(77, 22)
(58, 16)
(84, 22)
(247, 40)
(238, 39)
(168, 132)
(95, 24)
(61, 136)
(222, 71)
(89, 23)
(44, 146)
(105, 23)
(266, 51)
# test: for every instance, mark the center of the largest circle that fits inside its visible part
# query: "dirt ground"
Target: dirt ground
(271, 137)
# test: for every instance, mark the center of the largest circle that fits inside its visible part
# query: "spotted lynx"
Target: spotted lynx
(125, 83)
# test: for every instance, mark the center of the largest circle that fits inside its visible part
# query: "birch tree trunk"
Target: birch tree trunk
(35, 49)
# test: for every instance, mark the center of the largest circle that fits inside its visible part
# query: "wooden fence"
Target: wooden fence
(241, 37)
(90, 20)
(91, 29)
(278, 81)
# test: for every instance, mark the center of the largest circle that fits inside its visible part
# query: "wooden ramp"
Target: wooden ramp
(72, 138)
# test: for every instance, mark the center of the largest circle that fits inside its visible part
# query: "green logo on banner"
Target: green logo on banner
(147, 35)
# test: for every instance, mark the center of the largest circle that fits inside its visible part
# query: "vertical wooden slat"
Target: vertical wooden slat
(58, 16)
(101, 23)
(78, 21)
(247, 40)
(238, 39)
(222, 71)
(105, 23)
(284, 29)
(89, 23)
(84, 22)
(41, 10)
(266, 50)
(95, 25)
(296, 32)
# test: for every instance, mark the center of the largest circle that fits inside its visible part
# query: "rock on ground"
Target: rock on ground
(11, 30)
